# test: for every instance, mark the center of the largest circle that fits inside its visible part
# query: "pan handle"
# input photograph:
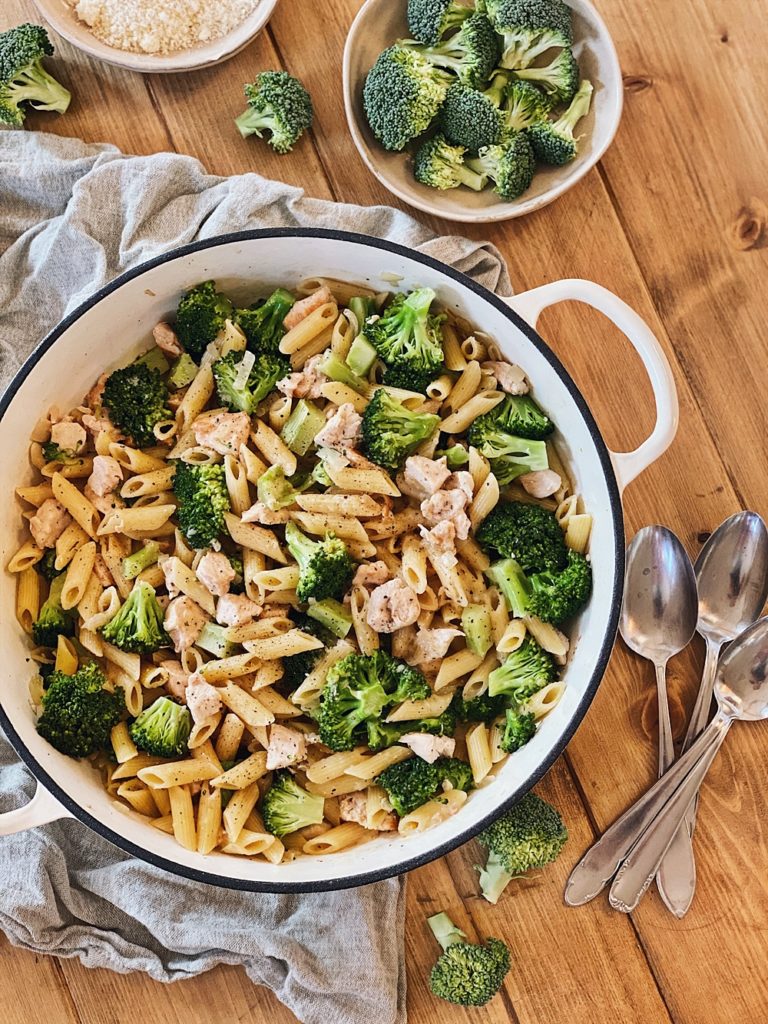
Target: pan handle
(41, 809)
(627, 465)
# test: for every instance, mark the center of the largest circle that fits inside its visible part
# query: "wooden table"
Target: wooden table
(675, 221)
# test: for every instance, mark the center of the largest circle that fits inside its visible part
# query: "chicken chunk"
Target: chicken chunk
(106, 475)
(371, 574)
(48, 523)
(236, 610)
(354, 807)
(421, 478)
(202, 699)
(100, 425)
(461, 481)
(541, 484)
(93, 398)
(431, 644)
(259, 513)
(166, 340)
(224, 432)
(214, 570)
(68, 435)
(510, 377)
(392, 606)
(177, 678)
(342, 430)
(447, 506)
(304, 307)
(103, 503)
(305, 383)
(184, 621)
(428, 747)
(286, 747)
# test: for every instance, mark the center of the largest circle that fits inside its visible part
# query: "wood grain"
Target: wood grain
(675, 220)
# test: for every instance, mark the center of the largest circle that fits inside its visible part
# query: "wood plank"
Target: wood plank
(32, 988)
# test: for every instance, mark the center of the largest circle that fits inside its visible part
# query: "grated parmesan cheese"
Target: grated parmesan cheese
(161, 26)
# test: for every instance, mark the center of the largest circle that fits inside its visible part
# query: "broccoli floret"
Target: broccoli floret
(511, 454)
(244, 395)
(529, 28)
(275, 490)
(262, 323)
(54, 453)
(472, 53)
(406, 334)
(325, 566)
(47, 566)
(553, 142)
(297, 667)
(385, 734)
(287, 807)
(510, 166)
(518, 415)
(23, 79)
(203, 502)
(438, 164)
(528, 533)
(467, 973)
(519, 728)
(558, 596)
(358, 689)
(407, 378)
(529, 836)
(163, 728)
(277, 103)
(78, 713)
(201, 314)
(429, 20)
(479, 709)
(136, 398)
(474, 119)
(391, 432)
(411, 783)
(53, 621)
(524, 106)
(138, 624)
(559, 78)
(402, 95)
(524, 672)
(513, 584)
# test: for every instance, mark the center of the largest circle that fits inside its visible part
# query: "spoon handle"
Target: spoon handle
(640, 867)
(666, 743)
(703, 705)
(601, 861)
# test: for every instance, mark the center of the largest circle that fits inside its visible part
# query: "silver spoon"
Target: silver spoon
(741, 690)
(732, 578)
(658, 614)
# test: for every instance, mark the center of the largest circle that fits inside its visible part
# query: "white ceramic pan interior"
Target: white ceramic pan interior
(114, 326)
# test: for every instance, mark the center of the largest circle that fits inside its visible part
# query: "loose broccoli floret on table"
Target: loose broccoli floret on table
(136, 398)
(529, 28)
(262, 323)
(438, 164)
(523, 673)
(138, 624)
(203, 501)
(54, 621)
(467, 973)
(23, 79)
(510, 165)
(407, 334)
(519, 728)
(429, 20)
(279, 104)
(411, 783)
(529, 836)
(528, 533)
(553, 142)
(358, 690)
(557, 596)
(471, 53)
(391, 432)
(201, 314)
(242, 391)
(287, 807)
(78, 713)
(559, 78)
(402, 95)
(163, 728)
(325, 566)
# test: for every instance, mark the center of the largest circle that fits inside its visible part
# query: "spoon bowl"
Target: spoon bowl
(732, 576)
(741, 687)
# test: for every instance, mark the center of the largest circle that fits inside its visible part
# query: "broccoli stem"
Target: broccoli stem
(494, 878)
(34, 85)
(472, 179)
(301, 427)
(253, 122)
(140, 560)
(300, 546)
(332, 614)
(476, 623)
(579, 108)
(335, 369)
(445, 931)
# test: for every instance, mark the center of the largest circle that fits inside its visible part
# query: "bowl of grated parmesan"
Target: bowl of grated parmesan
(158, 36)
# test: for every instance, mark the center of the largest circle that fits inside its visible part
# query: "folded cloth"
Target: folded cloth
(72, 217)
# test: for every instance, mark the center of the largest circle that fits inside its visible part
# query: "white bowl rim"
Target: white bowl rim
(602, 655)
(501, 211)
(226, 46)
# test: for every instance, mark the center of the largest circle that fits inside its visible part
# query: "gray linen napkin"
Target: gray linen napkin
(73, 216)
